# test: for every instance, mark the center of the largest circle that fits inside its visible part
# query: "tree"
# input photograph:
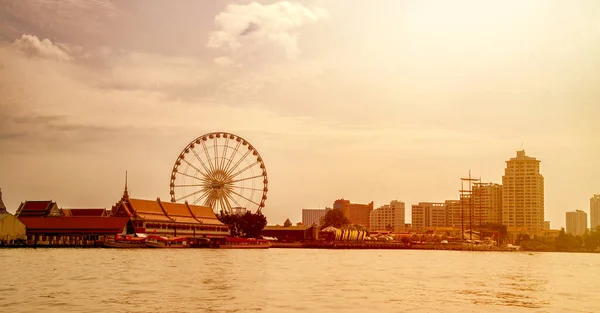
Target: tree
(249, 225)
(334, 218)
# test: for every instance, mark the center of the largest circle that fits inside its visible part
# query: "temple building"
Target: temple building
(169, 219)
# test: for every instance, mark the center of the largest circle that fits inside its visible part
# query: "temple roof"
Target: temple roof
(35, 208)
(84, 212)
(67, 225)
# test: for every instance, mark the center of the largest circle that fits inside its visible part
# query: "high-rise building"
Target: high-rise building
(576, 222)
(359, 214)
(457, 210)
(313, 216)
(595, 212)
(389, 217)
(523, 193)
(429, 214)
(487, 203)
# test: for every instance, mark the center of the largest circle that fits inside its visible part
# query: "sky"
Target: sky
(365, 102)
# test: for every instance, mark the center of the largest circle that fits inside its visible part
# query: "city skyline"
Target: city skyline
(336, 109)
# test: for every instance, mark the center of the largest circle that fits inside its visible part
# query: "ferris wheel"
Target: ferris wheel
(222, 171)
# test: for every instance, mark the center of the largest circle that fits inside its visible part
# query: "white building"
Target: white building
(313, 216)
(389, 217)
(429, 214)
(576, 222)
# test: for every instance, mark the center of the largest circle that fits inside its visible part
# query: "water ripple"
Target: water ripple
(289, 280)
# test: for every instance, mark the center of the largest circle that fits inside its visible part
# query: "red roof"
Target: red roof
(84, 212)
(74, 225)
(34, 208)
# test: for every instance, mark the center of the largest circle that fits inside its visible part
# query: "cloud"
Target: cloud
(255, 25)
(32, 46)
(223, 61)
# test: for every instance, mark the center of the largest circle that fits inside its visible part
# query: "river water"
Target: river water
(296, 280)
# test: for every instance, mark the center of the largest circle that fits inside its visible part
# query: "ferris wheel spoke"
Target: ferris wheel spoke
(192, 176)
(226, 199)
(216, 149)
(192, 166)
(233, 199)
(201, 162)
(237, 163)
(243, 179)
(244, 169)
(224, 154)
(206, 191)
(235, 150)
(246, 188)
(191, 194)
(239, 195)
(207, 156)
(191, 185)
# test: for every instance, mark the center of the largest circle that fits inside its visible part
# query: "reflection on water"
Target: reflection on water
(281, 280)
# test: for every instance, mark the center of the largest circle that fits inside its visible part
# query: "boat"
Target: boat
(124, 242)
(245, 243)
(164, 242)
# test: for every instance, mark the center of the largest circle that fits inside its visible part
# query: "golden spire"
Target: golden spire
(125, 193)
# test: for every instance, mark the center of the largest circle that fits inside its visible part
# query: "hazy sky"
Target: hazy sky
(368, 102)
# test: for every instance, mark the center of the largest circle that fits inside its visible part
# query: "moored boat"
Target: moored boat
(163, 242)
(245, 243)
(124, 242)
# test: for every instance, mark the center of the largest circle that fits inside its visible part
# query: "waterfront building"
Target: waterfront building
(46, 224)
(169, 219)
(595, 212)
(313, 216)
(429, 214)
(358, 214)
(11, 228)
(576, 222)
(389, 217)
(487, 203)
(290, 233)
(523, 194)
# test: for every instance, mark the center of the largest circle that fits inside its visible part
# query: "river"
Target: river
(296, 280)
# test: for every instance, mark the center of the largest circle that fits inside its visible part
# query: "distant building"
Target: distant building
(429, 214)
(576, 222)
(359, 214)
(546, 225)
(487, 203)
(595, 212)
(457, 211)
(313, 216)
(523, 193)
(289, 233)
(389, 217)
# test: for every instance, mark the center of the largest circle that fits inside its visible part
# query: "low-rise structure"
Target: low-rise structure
(313, 216)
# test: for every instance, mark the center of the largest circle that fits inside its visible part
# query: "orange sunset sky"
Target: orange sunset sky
(370, 102)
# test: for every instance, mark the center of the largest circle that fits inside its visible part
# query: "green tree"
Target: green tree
(334, 218)
(249, 225)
